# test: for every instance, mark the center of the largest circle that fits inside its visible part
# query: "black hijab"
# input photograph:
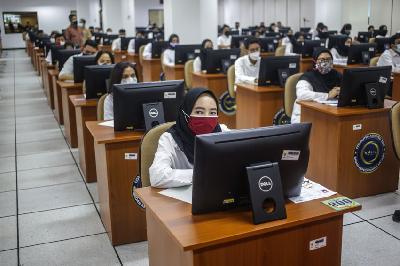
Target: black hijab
(322, 83)
(203, 53)
(181, 133)
(341, 48)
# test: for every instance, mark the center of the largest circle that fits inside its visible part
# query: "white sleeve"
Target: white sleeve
(116, 44)
(48, 57)
(162, 175)
(305, 92)
(131, 46)
(147, 51)
(240, 76)
(169, 57)
(108, 108)
(288, 48)
(68, 67)
(385, 60)
(219, 41)
(197, 65)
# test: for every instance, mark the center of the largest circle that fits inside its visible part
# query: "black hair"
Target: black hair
(118, 71)
(69, 43)
(204, 42)
(122, 31)
(225, 26)
(58, 35)
(100, 53)
(371, 27)
(71, 16)
(345, 27)
(173, 35)
(394, 38)
(91, 28)
(320, 25)
(91, 43)
(82, 20)
(381, 27)
(250, 41)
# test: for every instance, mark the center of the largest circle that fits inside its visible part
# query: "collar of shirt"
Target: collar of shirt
(250, 64)
(393, 53)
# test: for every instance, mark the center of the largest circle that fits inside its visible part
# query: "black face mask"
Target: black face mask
(227, 33)
(74, 24)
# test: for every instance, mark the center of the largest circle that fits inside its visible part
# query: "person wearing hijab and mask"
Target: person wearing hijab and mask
(74, 33)
(224, 41)
(382, 31)
(169, 53)
(102, 58)
(346, 29)
(247, 67)
(391, 57)
(340, 52)
(122, 73)
(321, 83)
(174, 158)
(317, 30)
(207, 44)
(291, 41)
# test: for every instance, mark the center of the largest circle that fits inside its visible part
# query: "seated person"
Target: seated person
(173, 161)
(248, 66)
(224, 41)
(340, 51)
(391, 57)
(291, 41)
(116, 44)
(321, 83)
(147, 51)
(205, 45)
(58, 41)
(122, 73)
(169, 53)
(131, 45)
(102, 58)
(383, 29)
(67, 72)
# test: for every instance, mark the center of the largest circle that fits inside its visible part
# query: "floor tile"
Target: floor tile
(42, 146)
(93, 191)
(9, 258)
(55, 225)
(7, 181)
(40, 135)
(8, 233)
(7, 150)
(40, 160)
(135, 254)
(52, 197)
(378, 206)
(50, 124)
(8, 203)
(48, 176)
(349, 218)
(388, 225)
(7, 164)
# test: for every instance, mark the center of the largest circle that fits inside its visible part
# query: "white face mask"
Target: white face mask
(52, 40)
(129, 80)
(62, 43)
(255, 56)
(398, 47)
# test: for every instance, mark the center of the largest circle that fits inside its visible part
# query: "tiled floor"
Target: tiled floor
(58, 221)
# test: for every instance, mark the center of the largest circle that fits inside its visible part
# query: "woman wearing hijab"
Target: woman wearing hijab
(292, 43)
(341, 51)
(173, 161)
(207, 44)
(321, 83)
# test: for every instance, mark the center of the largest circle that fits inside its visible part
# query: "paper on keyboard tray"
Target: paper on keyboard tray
(109, 123)
(311, 191)
(179, 193)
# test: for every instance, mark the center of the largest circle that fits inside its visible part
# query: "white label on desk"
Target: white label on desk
(371, 49)
(292, 65)
(318, 243)
(130, 156)
(275, 41)
(170, 95)
(233, 56)
(290, 155)
(383, 80)
(197, 51)
(357, 127)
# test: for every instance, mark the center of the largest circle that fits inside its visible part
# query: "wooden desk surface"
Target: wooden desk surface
(104, 134)
(53, 72)
(198, 231)
(68, 85)
(205, 75)
(180, 66)
(80, 100)
(341, 111)
(151, 59)
(260, 89)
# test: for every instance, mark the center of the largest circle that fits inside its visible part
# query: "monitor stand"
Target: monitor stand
(266, 194)
(153, 115)
(365, 57)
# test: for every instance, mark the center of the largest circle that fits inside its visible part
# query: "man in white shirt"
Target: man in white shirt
(224, 41)
(116, 44)
(247, 67)
(131, 45)
(391, 57)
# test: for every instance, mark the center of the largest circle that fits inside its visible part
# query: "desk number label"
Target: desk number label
(290, 155)
(382, 80)
(170, 95)
(341, 203)
(357, 127)
(130, 156)
(292, 65)
(233, 56)
(318, 243)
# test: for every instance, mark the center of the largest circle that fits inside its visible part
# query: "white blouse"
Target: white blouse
(108, 107)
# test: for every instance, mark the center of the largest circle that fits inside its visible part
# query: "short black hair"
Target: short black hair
(371, 27)
(250, 41)
(173, 35)
(225, 26)
(100, 53)
(91, 43)
(82, 20)
(71, 16)
(122, 31)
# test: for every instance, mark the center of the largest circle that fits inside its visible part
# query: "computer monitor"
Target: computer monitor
(216, 61)
(98, 36)
(269, 44)
(272, 34)
(186, 52)
(79, 66)
(96, 79)
(361, 53)
(234, 32)
(355, 83)
(380, 33)
(109, 38)
(274, 70)
(237, 40)
(382, 44)
(62, 55)
(323, 35)
(125, 43)
(157, 48)
(223, 184)
(140, 42)
(308, 47)
(335, 40)
(332, 32)
(305, 29)
(284, 31)
(246, 32)
(364, 36)
(130, 98)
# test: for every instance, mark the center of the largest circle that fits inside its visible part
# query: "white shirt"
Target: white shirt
(131, 46)
(288, 46)
(337, 58)
(305, 92)
(169, 57)
(197, 64)
(108, 107)
(390, 58)
(245, 71)
(170, 167)
(116, 44)
(49, 57)
(147, 51)
(68, 67)
(224, 40)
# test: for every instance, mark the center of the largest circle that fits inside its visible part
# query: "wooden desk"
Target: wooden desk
(174, 72)
(178, 238)
(85, 110)
(34, 58)
(39, 55)
(124, 220)
(151, 69)
(58, 110)
(335, 134)
(396, 86)
(43, 73)
(120, 56)
(106, 48)
(52, 75)
(218, 84)
(68, 110)
(306, 64)
(256, 106)
(134, 58)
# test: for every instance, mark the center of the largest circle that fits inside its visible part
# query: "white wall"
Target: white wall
(330, 13)
(142, 11)
(89, 10)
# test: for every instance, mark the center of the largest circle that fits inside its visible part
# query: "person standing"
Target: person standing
(73, 33)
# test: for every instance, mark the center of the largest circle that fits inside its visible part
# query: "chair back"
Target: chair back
(100, 108)
(290, 93)
(188, 73)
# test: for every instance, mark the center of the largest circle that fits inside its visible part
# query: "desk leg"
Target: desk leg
(69, 116)
(57, 102)
(50, 95)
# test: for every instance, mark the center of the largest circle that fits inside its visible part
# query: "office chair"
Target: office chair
(231, 81)
(290, 93)
(395, 130)
(100, 108)
(188, 70)
(374, 61)
(280, 51)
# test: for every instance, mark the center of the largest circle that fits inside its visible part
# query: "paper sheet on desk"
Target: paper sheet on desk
(69, 81)
(179, 193)
(109, 123)
(328, 102)
(311, 191)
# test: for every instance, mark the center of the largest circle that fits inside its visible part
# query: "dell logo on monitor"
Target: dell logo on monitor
(372, 91)
(265, 183)
(153, 112)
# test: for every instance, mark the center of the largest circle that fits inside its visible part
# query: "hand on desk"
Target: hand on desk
(334, 93)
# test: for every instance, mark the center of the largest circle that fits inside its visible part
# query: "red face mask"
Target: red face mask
(202, 124)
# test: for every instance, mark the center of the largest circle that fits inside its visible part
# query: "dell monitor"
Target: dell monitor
(308, 47)
(109, 38)
(274, 70)
(136, 103)
(336, 40)
(305, 29)
(361, 53)
(97, 37)
(140, 42)
(186, 52)
(62, 55)
(269, 44)
(234, 32)
(382, 44)
(157, 48)
(217, 61)
(272, 34)
(79, 66)
(237, 40)
(360, 84)
(223, 184)
(125, 42)
(380, 33)
(96, 79)
(364, 36)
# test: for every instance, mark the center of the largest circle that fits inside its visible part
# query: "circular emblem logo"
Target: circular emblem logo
(137, 183)
(227, 104)
(281, 118)
(369, 153)
(265, 183)
(153, 112)
(372, 91)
